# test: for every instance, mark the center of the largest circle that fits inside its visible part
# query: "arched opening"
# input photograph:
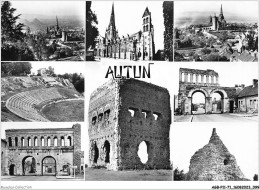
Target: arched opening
(96, 153)
(42, 141)
(143, 151)
(16, 141)
(204, 78)
(199, 79)
(10, 141)
(35, 141)
(198, 103)
(217, 102)
(48, 166)
(62, 142)
(11, 169)
(214, 79)
(29, 165)
(194, 78)
(22, 141)
(55, 141)
(226, 162)
(189, 77)
(69, 141)
(107, 151)
(48, 141)
(29, 141)
(182, 77)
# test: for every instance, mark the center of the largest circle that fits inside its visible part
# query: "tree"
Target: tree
(223, 37)
(206, 51)
(168, 29)
(16, 69)
(9, 29)
(255, 177)
(91, 29)
(178, 175)
(79, 85)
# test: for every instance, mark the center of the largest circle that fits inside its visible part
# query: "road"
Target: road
(222, 118)
(36, 178)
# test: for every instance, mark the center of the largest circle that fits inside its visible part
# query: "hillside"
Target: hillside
(13, 85)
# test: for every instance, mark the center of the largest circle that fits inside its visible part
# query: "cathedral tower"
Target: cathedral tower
(111, 32)
(221, 16)
(148, 35)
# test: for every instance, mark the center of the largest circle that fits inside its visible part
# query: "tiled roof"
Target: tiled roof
(249, 91)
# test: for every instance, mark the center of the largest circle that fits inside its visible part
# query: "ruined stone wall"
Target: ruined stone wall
(3, 157)
(205, 81)
(19, 149)
(213, 162)
(103, 116)
(116, 132)
(196, 76)
(62, 157)
(147, 102)
(77, 147)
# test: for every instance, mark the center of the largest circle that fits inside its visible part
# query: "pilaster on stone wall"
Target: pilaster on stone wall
(77, 147)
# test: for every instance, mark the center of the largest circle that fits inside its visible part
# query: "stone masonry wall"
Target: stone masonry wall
(148, 102)
(213, 162)
(103, 114)
(123, 133)
(77, 147)
(18, 150)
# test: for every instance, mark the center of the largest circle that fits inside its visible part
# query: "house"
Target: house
(248, 98)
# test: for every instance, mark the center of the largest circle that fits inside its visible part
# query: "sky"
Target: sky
(240, 139)
(161, 75)
(50, 8)
(60, 67)
(128, 17)
(241, 9)
(230, 74)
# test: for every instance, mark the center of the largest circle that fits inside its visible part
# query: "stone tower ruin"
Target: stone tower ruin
(213, 162)
(122, 114)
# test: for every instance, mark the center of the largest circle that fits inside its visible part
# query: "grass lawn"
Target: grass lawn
(92, 174)
(65, 111)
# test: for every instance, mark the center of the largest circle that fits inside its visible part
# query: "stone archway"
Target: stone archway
(225, 107)
(49, 166)
(95, 153)
(106, 150)
(28, 165)
(12, 169)
(188, 102)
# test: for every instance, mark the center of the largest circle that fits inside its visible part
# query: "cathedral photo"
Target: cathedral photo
(129, 31)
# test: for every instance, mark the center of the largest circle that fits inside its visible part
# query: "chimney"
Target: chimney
(255, 82)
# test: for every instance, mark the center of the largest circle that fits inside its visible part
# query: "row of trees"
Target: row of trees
(15, 68)
(168, 32)
(76, 79)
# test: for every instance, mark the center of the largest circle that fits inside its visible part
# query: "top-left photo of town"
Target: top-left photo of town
(42, 30)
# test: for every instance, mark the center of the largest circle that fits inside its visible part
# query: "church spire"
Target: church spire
(221, 15)
(112, 18)
(57, 23)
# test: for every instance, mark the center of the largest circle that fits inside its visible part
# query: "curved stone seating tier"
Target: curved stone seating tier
(22, 104)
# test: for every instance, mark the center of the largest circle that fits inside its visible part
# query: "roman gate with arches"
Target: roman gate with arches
(123, 114)
(206, 82)
(42, 151)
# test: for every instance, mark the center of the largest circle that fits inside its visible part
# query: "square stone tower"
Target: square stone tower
(122, 114)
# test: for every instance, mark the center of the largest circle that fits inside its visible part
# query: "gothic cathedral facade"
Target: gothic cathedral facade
(138, 46)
